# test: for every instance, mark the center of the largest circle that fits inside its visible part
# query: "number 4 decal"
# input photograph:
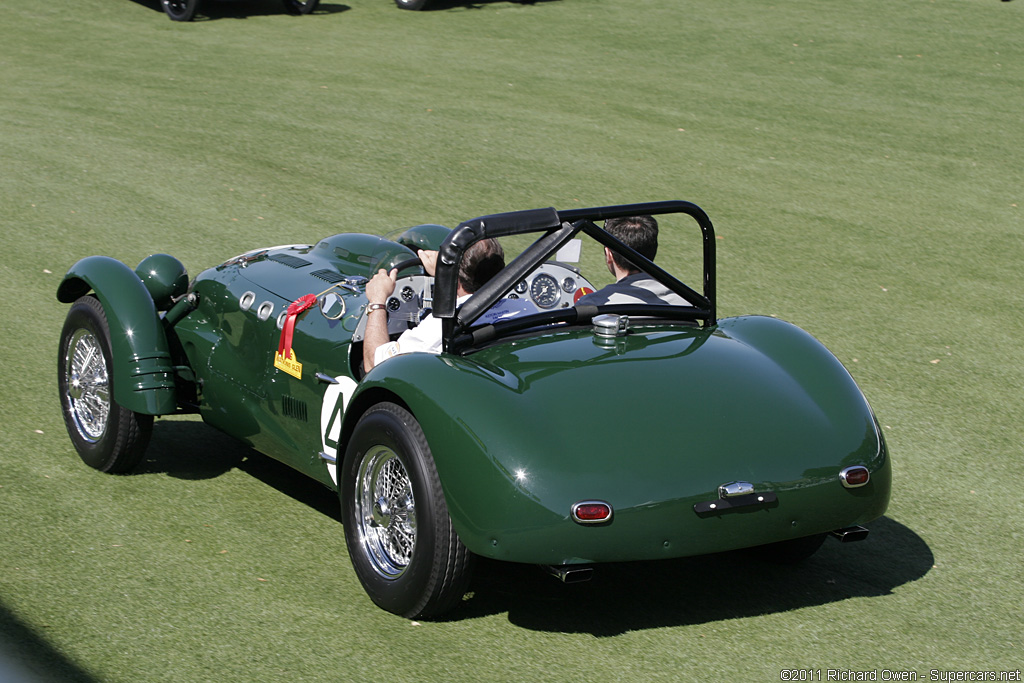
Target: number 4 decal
(332, 412)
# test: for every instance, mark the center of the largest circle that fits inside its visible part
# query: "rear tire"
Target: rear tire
(300, 6)
(411, 4)
(399, 535)
(107, 436)
(180, 10)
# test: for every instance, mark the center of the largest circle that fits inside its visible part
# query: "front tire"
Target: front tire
(300, 6)
(106, 436)
(180, 10)
(397, 529)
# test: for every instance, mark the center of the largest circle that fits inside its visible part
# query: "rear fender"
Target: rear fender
(472, 475)
(143, 373)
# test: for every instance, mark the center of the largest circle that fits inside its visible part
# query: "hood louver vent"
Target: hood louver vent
(290, 261)
(332, 276)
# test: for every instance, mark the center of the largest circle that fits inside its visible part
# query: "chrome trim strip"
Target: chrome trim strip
(735, 488)
(325, 378)
(328, 458)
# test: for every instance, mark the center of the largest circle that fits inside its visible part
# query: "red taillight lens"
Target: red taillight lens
(591, 512)
(855, 476)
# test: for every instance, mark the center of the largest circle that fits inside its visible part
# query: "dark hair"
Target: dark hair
(482, 261)
(640, 233)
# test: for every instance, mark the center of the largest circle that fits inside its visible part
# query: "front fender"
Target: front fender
(143, 373)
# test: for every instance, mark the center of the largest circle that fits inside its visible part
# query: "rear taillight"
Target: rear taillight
(854, 477)
(591, 512)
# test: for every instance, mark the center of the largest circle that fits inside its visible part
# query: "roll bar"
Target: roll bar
(558, 228)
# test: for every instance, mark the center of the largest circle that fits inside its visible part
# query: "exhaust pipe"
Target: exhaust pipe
(570, 573)
(850, 534)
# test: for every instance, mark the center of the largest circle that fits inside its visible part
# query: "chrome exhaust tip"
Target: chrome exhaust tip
(570, 573)
(850, 534)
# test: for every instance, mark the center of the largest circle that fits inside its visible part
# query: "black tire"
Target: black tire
(399, 535)
(411, 4)
(792, 551)
(106, 436)
(180, 10)
(300, 6)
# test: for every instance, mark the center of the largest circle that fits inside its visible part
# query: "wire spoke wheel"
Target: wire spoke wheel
(400, 538)
(106, 435)
(386, 512)
(88, 385)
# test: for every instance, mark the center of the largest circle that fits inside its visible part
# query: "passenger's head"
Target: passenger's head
(482, 261)
(637, 232)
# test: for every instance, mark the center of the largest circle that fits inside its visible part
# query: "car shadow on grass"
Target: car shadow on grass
(621, 597)
(698, 590)
(211, 10)
(191, 449)
(440, 5)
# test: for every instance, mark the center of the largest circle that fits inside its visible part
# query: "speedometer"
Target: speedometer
(544, 291)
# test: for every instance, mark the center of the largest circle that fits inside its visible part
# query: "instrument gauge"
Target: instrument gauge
(544, 291)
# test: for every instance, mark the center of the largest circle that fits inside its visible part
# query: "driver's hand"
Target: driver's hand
(429, 261)
(381, 286)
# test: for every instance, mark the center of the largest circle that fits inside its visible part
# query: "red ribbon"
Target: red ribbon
(288, 330)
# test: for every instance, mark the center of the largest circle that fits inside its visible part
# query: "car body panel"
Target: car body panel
(753, 399)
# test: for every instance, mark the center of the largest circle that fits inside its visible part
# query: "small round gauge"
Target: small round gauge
(394, 304)
(521, 288)
(544, 291)
(569, 285)
(407, 293)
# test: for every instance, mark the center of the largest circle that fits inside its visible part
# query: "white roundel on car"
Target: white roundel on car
(332, 412)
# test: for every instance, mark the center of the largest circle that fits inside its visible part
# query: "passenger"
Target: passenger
(482, 261)
(632, 286)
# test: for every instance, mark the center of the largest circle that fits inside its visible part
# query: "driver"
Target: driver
(482, 261)
(632, 286)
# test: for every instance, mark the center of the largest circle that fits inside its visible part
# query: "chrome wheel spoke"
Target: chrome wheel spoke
(88, 385)
(386, 512)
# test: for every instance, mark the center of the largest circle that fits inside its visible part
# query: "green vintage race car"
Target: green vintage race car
(566, 436)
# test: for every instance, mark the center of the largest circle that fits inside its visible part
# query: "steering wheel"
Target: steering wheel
(408, 263)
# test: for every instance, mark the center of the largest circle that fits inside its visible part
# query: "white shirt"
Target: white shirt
(426, 337)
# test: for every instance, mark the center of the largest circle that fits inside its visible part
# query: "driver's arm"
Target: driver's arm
(378, 289)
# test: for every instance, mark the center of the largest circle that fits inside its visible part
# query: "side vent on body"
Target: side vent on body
(294, 408)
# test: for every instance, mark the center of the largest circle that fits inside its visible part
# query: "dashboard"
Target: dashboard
(550, 286)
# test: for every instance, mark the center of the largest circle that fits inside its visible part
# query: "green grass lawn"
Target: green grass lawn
(862, 162)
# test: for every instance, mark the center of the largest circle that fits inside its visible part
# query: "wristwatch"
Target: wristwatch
(370, 308)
